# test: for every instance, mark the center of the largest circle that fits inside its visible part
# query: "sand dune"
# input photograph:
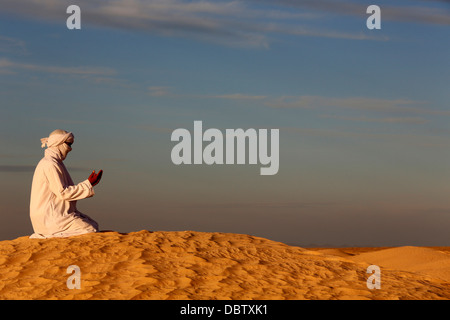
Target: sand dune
(420, 260)
(200, 265)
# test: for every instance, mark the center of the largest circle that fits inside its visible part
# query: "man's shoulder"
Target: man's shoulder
(47, 163)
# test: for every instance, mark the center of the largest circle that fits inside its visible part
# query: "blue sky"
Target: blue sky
(363, 114)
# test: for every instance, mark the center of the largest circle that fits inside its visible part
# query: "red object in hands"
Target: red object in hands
(94, 178)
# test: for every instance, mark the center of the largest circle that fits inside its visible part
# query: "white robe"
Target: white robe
(54, 196)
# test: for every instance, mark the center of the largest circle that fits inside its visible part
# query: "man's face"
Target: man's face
(66, 148)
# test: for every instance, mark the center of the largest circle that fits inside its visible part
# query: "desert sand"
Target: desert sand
(201, 265)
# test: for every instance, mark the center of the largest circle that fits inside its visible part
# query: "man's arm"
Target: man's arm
(68, 193)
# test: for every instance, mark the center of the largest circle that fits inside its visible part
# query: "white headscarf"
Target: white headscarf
(57, 138)
(56, 142)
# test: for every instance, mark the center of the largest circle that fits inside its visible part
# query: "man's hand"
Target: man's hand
(94, 178)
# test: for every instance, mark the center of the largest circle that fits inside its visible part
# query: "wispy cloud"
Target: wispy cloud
(152, 128)
(166, 91)
(12, 45)
(15, 156)
(357, 103)
(29, 168)
(234, 23)
(68, 121)
(421, 140)
(80, 71)
(409, 120)
(16, 168)
(159, 91)
(239, 96)
(404, 11)
(256, 205)
(369, 104)
(420, 14)
(96, 74)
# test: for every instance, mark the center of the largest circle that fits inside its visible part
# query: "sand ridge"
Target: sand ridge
(209, 265)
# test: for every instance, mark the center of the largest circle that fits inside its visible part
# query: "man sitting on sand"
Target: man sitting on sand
(54, 196)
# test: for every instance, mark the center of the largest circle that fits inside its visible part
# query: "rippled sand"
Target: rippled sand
(201, 265)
